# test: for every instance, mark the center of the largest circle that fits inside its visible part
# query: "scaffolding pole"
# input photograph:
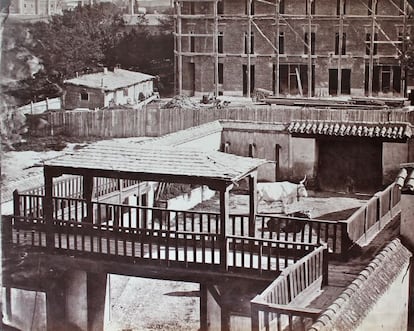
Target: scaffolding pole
(309, 48)
(215, 50)
(404, 49)
(340, 45)
(179, 49)
(277, 42)
(371, 48)
(249, 45)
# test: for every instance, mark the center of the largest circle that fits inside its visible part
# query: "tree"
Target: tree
(73, 42)
(76, 40)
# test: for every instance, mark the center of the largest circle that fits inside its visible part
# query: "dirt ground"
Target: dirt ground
(148, 304)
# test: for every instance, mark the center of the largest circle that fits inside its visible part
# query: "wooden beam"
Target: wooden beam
(48, 207)
(214, 183)
(87, 195)
(224, 220)
(252, 203)
(203, 307)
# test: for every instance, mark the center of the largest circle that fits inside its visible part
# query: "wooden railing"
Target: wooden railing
(264, 254)
(373, 215)
(137, 233)
(277, 307)
(311, 231)
(168, 247)
(70, 187)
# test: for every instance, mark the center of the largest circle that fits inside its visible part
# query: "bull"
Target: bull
(285, 191)
(275, 224)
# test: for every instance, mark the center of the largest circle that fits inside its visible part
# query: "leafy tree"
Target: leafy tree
(73, 42)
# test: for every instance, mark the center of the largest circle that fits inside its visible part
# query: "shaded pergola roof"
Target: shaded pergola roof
(158, 163)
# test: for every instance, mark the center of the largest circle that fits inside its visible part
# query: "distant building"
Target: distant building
(36, 7)
(153, 23)
(103, 89)
(292, 47)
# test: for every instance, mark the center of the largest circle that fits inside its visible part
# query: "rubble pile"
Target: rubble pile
(181, 101)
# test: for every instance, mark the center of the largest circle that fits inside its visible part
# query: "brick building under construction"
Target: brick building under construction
(292, 47)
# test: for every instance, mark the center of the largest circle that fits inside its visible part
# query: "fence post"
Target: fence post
(16, 203)
(254, 315)
(325, 266)
(345, 240)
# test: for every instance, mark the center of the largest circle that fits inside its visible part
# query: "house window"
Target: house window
(125, 90)
(312, 7)
(84, 96)
(220, 73)
(368, 44)
(337, 42)
(340, 7)
(220, 42)
(312, 43)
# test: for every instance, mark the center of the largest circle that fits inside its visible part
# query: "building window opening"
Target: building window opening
(220, 7)
(368, 44)
(337, 44)
(220, 42)
(340, 7)
(310, 3)
(281, 43)
(402, 7)
(281, 6)
(246, 43)
(249, 6)
(84, 96)
(220, 73)
(311, 44)
(372, 7)
(192, 42)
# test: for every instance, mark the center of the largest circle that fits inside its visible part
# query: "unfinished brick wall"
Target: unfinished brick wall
(293, 23)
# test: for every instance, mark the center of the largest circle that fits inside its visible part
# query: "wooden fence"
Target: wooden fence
(374, 215)
(153, 120)
(275, 307)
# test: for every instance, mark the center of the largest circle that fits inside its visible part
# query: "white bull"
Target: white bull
(286, 192)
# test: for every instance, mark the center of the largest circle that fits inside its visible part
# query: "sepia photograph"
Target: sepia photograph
(207, 165)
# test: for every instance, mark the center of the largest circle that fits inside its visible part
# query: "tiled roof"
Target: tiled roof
(354, 303)
(159, 160)
(405, 178)
(110, 80)
(358, 129)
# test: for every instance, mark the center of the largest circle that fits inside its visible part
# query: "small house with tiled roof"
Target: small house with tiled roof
(107, 88)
